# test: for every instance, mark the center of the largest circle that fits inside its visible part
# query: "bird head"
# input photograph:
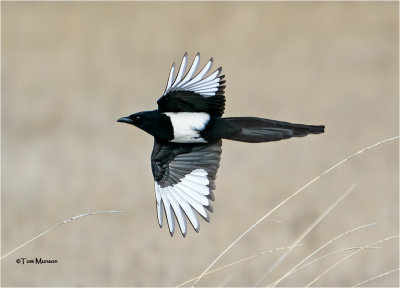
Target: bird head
(147, 121)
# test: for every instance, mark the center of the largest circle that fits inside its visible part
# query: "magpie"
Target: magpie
(188, 129)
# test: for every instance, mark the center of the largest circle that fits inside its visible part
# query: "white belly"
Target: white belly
(187, 126)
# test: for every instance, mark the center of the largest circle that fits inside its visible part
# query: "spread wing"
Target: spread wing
(194, 93)
(184, 177)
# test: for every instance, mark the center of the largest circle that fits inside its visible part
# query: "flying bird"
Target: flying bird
(188, 129)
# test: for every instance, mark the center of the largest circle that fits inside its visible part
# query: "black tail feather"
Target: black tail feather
(256, 130)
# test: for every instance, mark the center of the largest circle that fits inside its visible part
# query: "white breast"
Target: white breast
(187, 126)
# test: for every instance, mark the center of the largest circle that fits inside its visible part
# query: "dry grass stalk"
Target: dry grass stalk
(238, 262)
(299, 265)
(348, 256)
(287, 199)
(376, 277)
(56, 226)
(322, 257)
(306, 232)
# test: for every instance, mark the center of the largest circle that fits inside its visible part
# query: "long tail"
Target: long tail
(256, 130)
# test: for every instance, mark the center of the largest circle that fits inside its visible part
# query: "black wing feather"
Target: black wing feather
(188, 101)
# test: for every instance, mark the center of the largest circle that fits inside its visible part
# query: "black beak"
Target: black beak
(125, 120)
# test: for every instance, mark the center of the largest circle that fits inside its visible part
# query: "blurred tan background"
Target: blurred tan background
(69, 70)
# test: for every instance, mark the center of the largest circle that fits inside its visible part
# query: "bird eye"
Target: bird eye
(138, 118)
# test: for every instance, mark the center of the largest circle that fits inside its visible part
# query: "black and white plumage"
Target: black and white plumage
(188, 129)
(184, 179)
(194, 93)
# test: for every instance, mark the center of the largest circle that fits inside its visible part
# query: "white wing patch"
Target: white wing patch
(182, 199)
(206, 86)
(187, 126)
